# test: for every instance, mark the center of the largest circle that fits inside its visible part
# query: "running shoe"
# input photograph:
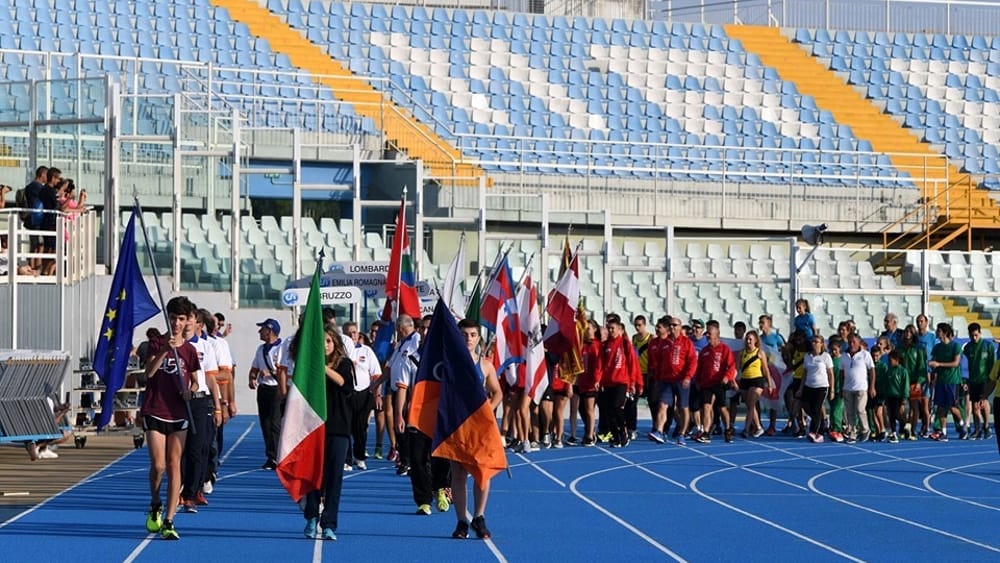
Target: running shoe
(424, 510)
(442, 501)
(800, 433)
(572, 441)
(729, 435)
(963, 432)
(154, 520)
(208, 488)
(681, 441)
(656, 437)
(977, 434)
(939, 436)
(987, 433)
(893, 439)
(557, 444)
(189, 506)
(348, 468)
(912, 437)
(770, 431)
(329, 534)
(393, 454)
(850, 440)
(479, 526)
(269, 465)
(378, 452)
(837, 437)
(703, 438)
(758, 433)
(587, 443)
(461, 530)
(818, 439)
(311, 528)
(168, 532)
(811, 437)
(360, 464)
(606, 437)
(403, 470)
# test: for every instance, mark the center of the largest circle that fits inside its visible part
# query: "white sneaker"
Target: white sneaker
(46, 453)
(557, 444)
(207, 488)
(361, 465)
(347, 467)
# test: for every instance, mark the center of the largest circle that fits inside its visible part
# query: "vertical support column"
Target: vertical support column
(543, 254)
(176, 207)
(236, 234)
(793, 277)
(925, 287)
(481, 252)
(668, 235)
(12, 259)
(608, 250)
(356, 207)
(112, 157)
(296, 204)
(418, 221)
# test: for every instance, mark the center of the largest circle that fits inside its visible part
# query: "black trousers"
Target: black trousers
(812, 401)
(269, 413)
(361, 407)
(611, 401)
(196, 448)
(333, 483)
(427, 474)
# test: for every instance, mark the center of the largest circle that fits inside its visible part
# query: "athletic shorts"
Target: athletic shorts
(716, 392)
(878, 401)
(669, 391)
(945, 395)
(978, 391)
(582, 394)
(756, 382)
(153, 424)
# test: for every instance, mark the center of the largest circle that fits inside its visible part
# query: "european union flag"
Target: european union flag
(450, 403)
(129, 304)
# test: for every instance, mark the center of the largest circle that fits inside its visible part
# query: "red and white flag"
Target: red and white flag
(561, 336)
(500, 315)
(533, 375)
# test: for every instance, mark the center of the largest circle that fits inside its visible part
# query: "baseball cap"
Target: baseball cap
(698, 323)
(271, 325)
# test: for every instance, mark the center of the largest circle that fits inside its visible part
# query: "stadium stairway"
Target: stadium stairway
(443, 161)
(954, 308)
(967, 206)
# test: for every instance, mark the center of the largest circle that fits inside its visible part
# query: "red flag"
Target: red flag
(401, 282)
(561, 335)
(533, 374)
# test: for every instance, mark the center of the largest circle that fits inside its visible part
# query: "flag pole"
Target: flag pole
(185, 390)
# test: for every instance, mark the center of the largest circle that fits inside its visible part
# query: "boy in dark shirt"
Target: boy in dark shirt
(164, 413)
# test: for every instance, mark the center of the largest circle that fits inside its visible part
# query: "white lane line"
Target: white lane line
(929, 487)
(496, 552)
(236, 443)
(138, 549)
(645, 469)
(318, 550)
(694, 487)
(572, 487)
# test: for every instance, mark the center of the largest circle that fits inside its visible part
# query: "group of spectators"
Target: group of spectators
(40, 203)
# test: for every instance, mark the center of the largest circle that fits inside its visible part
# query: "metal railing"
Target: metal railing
(27, 380)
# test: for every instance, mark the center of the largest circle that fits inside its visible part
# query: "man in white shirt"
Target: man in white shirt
(402, 368)
(366, 371)
(263, 378)
(859, 384)
(206, 413)
(227, 398)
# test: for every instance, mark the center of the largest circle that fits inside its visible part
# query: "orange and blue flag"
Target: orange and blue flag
(450, 405)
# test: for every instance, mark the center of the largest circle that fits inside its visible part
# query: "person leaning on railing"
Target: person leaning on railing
(23, 269)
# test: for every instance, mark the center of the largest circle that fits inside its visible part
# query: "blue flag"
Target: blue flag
(129, 304)
(450, 404)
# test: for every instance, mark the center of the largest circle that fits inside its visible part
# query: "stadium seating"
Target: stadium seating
(162, 44)
(946, 88)
(741, 273)
(579, 96)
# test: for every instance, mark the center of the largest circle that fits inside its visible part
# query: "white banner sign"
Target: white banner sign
(345, 295)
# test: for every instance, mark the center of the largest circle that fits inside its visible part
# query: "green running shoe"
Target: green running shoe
(168, 532)
(442, 501)
(154, 520)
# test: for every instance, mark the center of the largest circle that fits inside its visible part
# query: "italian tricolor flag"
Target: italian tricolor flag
(301, 449)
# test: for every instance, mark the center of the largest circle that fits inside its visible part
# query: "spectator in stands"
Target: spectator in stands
(24, 268)
(264, 379)
(804, 319)
(892, 331)
(4, 190)
(33, 197)
(48, 196)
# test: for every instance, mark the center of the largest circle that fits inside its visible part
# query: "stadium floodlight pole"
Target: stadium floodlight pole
(185, 390)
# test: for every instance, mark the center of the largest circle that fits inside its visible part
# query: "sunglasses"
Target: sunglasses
(675, 324)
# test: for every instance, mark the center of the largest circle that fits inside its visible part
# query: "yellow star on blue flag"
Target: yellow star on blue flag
(121, 318)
